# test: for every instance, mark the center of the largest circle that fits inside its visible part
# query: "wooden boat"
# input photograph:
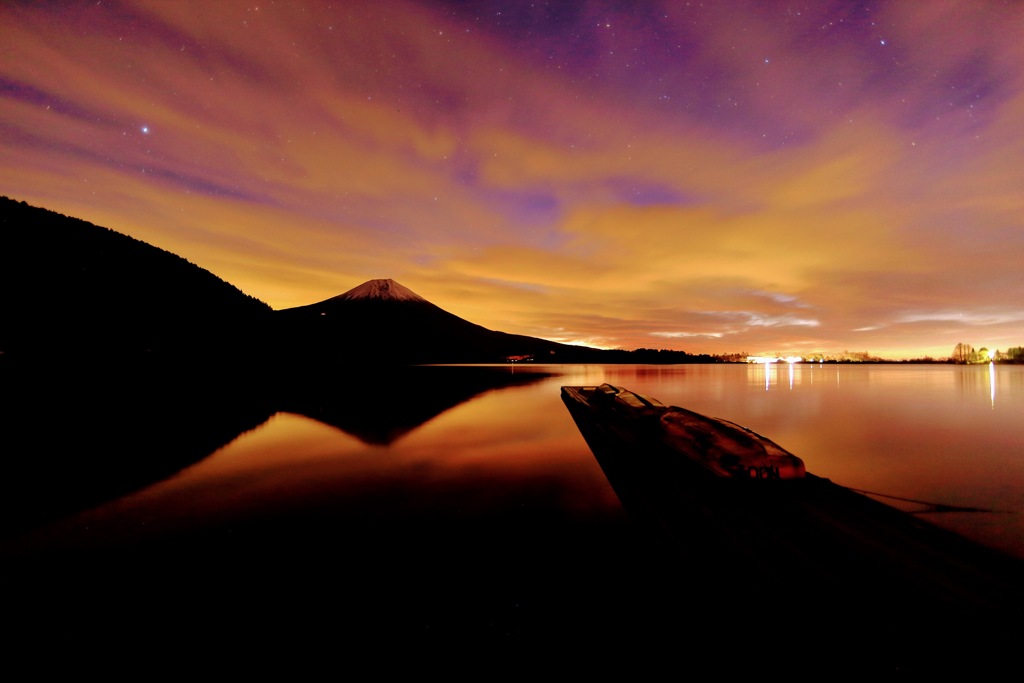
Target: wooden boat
(709, 488)
(725, 448)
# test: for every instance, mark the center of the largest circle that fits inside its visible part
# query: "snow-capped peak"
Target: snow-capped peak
(382, 289)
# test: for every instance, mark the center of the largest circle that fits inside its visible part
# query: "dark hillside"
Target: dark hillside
(74, 294)
(72, 289)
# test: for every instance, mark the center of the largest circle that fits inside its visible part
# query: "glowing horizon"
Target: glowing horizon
(737, 178)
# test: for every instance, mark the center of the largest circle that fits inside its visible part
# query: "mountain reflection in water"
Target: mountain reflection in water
(387, 404)
(464, 506)
(71, 442)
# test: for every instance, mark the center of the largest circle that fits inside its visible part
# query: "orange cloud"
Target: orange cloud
(745, 173)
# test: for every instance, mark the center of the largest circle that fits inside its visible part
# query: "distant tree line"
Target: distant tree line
(656, 357)
(965, 354)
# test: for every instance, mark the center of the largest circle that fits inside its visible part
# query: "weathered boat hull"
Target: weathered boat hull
(802, 540)
(724, 448)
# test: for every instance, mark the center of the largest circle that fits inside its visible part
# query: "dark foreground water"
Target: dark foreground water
(461, 506)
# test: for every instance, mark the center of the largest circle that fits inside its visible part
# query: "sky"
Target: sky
(714, 177)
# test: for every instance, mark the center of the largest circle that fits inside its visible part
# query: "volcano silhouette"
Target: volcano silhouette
(382, 320)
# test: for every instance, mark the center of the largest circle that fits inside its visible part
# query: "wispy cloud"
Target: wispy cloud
(735, 173)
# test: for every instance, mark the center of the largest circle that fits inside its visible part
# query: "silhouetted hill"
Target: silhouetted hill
(69, 288)
(72, 290)
(382, 320)
(77, 292)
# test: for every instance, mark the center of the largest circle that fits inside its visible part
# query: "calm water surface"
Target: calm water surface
(952, 435)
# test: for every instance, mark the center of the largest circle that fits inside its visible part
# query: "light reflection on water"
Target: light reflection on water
(944, 434)
(938, 433)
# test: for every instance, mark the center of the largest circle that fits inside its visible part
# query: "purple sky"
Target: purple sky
(713, 177)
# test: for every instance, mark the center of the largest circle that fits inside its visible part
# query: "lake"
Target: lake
(944, 434)
(484, 464)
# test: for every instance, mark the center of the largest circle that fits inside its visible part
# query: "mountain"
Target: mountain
(382, 320)
(385, 290)
(69, 288)
(75, 291)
